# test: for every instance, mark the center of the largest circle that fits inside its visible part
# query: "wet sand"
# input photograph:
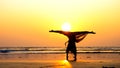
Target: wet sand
(58, 61)
(60, 64)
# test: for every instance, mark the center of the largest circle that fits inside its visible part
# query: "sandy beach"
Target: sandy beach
(58, 61)
(60, 64)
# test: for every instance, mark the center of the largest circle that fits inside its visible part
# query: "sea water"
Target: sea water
(57, 50)
(58, 53)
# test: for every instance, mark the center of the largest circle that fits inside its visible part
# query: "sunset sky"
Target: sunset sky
(27, 22)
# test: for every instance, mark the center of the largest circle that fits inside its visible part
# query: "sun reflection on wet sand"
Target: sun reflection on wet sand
(60, 64)
(65, 63)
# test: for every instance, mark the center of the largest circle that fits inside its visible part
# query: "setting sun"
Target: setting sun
(66, 27)
(27, 22)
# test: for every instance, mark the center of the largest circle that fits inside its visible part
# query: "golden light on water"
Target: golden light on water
(66, 26)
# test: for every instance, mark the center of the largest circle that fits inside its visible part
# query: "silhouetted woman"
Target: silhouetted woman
(74, 37)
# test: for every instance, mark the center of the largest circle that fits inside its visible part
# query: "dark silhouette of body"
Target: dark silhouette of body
(74, 37)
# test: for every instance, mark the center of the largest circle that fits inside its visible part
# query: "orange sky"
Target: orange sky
(27, 22)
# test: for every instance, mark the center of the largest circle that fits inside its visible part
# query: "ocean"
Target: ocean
(58, 53)
(56, 50)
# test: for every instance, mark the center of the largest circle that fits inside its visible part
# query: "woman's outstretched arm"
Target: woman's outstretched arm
(66, 33)
(56, 31)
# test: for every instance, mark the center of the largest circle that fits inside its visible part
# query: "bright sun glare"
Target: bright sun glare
(66, 26)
